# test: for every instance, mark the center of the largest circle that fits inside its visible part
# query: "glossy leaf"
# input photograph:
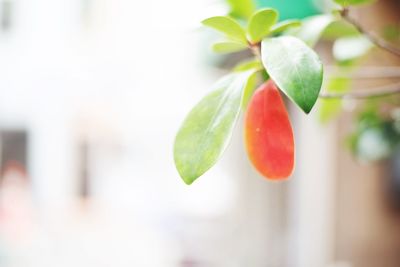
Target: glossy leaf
(338, 29)
(295, 68)
(350, 48)
(249, 89)
(285, 25)
(228, 47)
(256, 66)
(312, 28)
(228, 26)
(268, 133)
(248, 65)
(261, 22)
(206, 131)
(241, 8)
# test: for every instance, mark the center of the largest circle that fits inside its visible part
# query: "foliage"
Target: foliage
(260, 24)
(284, 61)
(330, 108)
(230, 27)
(268, 133)
(207, 129)
(241, 9)
(353, 2)
(295, 68)
(375, 136)
(313, 28)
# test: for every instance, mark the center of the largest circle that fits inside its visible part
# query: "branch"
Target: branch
(364, 72)
(379, 42)
(256, 49)
(381, 91)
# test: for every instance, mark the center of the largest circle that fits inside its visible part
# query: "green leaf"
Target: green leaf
(249, 89)
(338, 29)
(228, 47)
(312, 28)
(207, 130)
(295, 68)
(248, 65)
(350, 48)
(261, 22)
(353, 2)
(285, 25)
(241, 8)
(330, 108)
(228, 26)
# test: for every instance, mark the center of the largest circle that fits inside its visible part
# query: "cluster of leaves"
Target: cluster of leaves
(376, 135)
(284, 59)
(293, 66)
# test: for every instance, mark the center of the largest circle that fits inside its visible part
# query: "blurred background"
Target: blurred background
(91, 95)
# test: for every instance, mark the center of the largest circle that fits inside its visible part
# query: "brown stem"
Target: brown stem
(381, 91)
(371, 36)
(255, 49)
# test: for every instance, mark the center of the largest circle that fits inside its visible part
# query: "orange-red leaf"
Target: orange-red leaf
(268, 133)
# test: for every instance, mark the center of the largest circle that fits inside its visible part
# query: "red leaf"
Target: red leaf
(268, 133)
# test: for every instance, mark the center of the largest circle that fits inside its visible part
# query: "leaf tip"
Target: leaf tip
(205, 21)
(307, 109)
(188, 181)
(182, 171)
(187, 178)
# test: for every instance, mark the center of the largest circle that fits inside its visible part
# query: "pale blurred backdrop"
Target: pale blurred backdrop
(91, 95)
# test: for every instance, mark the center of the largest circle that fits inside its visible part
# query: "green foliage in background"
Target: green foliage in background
(330, 108)
(353, 2)
(376, 136)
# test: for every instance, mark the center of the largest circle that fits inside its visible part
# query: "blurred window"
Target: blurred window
(13, 149)
(6, 14)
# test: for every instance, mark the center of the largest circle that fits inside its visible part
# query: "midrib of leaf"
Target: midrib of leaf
(297, 74)
(211, 123)
(301, 83)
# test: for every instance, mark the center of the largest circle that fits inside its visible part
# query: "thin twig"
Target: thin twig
(256, 49)
(371, 36)
(368, 72)
(381, 91)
